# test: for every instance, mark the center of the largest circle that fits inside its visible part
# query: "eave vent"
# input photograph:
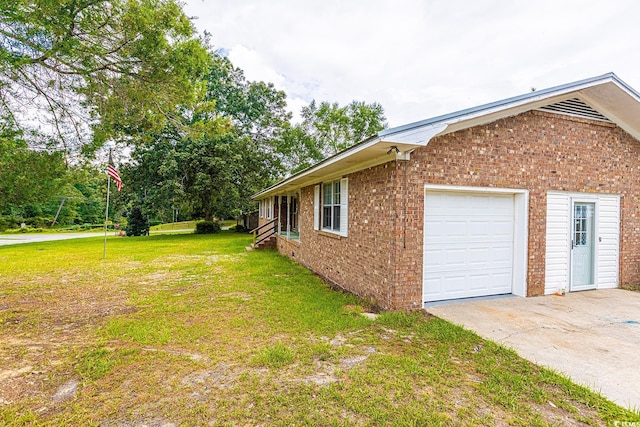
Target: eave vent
(575, 107)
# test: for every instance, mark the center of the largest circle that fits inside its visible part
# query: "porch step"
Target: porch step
(269, 243)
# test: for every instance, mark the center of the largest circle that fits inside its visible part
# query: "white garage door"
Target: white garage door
(468, 246)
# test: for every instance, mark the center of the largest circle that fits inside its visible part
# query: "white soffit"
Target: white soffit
(617, 103)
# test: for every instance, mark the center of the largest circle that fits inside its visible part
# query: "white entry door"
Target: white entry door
(583, 246)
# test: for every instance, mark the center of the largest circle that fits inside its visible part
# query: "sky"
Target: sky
(421, 59)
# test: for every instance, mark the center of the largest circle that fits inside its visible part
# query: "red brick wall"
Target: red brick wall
(382, 257)
(362, 262)
(288, 247)
(535, 151)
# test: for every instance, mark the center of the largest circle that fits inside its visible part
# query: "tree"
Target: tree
(256, 109)
(137, 224)
(119, 67)
(329, 128)
(155, 177)
(27, 177)
(225, 150)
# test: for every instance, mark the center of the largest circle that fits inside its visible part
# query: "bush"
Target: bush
(38, 221)
(137, 223)
(24, 230)
(207, 227)
(241, 228)
(7, 222)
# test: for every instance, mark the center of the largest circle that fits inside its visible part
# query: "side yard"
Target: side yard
(194, 330)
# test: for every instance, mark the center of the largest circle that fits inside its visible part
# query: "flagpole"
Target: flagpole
(106, 218)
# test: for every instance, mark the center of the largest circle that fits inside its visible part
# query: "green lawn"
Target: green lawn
(182, 225)
(194, 330)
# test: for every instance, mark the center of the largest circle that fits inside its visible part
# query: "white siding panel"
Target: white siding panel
(557, 249)
(609, 241)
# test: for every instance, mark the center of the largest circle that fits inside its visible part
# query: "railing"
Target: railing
(259, 236)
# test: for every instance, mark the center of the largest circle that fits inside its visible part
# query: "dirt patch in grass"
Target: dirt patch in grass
(39, 336)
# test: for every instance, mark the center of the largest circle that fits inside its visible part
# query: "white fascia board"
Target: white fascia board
(416, 137)
(365, 155)
(315, 170)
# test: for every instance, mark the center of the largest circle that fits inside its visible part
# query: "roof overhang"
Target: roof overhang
(607, 93)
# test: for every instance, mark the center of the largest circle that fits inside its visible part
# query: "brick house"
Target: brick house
(526, 196)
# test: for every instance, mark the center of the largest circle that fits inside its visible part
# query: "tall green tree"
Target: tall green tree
(233, 148)
(116, 67)
(155, 178)
(256, 109)
(328, 128)
(27, 177)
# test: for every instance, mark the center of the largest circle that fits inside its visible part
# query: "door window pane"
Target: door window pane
(580, 231)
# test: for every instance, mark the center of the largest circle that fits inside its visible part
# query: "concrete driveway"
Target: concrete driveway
(592, 336)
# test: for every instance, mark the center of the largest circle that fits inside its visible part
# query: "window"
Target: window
(261, 208)
(269, 204)
(331, 206)
(582, 216)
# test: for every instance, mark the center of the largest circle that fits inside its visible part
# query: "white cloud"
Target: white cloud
(255, 67)
(422, 58)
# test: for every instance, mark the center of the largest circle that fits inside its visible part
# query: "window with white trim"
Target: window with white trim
(261, 208)
(331, 207)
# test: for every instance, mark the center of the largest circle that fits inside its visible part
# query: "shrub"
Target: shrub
(241, 228)
(137, 223)
(37, 221)
(207, 227)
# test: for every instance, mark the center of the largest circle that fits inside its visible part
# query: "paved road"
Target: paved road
(14, 239)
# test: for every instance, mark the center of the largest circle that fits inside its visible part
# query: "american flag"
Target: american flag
(113, 173)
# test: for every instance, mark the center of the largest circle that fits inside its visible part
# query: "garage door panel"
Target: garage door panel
(503, 254)
(501, 283)
(433, 258)
(479, 255)
(478, 228)
(452, 229)
(451, 254)
(468, 245)
(502, 228)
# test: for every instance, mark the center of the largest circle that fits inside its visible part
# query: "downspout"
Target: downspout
(401, 207)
